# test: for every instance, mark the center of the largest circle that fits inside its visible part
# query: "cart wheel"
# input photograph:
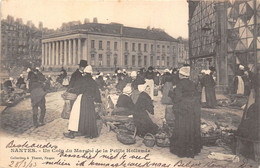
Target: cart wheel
(135, 132)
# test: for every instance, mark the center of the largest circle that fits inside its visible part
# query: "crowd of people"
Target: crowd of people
(136, 90)
(136, 97)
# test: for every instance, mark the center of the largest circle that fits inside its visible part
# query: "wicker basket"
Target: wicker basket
(69, 96)
(149, 140)
(162, 139)
(210, 140)
(125, 138)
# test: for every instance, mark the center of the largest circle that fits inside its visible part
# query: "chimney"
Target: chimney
(148, 28)
(86, 20)
(95, 20)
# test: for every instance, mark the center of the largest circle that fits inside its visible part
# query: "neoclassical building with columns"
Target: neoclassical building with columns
(108, 46)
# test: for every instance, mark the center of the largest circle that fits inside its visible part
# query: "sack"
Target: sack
(125, 138)
(66, 110)
(69, 96)
(149, 140)
(65, 82)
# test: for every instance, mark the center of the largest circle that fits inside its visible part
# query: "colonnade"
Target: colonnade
(63, 52)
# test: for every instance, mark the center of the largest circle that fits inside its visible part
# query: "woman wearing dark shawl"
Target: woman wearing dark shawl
(143, 122)
(91, 94)
(83, 115)
(167, 86)
(124, 104)
(186, 138)
(209, 84)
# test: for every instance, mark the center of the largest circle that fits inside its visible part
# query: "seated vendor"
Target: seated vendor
(142, 120)
(124, 104)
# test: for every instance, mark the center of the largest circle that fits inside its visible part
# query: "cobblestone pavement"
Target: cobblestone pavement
(17, 121)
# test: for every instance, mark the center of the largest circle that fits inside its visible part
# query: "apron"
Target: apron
(203, 95)
(74, 115)
(240, 85)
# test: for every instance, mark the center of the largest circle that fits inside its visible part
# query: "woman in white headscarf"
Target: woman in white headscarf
(124, 105)
(239, 87)
(209, 83)
(186, 138)
(167, 84)
(83, 114)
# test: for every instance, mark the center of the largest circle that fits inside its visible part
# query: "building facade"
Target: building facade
(182, 52)
(223, 34)
(20, 44)
(108, 46)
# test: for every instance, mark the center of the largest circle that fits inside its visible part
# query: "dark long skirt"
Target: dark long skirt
(144, 124)
(210, 97)
(87, 121)
(186, 138)
(165, 98)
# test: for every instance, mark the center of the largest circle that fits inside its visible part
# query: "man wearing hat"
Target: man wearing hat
(76, 76)
(76, 79)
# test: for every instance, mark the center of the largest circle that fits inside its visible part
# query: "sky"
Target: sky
(170, 15)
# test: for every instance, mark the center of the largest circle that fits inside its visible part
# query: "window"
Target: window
(163, 48)
(139, 61)
(133, 60)
(158, 61)
(115, 46)
(158, 48)
(115, 59)
(108, 60)
(151, 61)
(173, 49)
(151, 47)
(108, 44)
(163, 61)
(168, 61)
(93, 59)
(133, 46)
(100, 45)
(126, 46)
(145, 60)
(92, 43)
(100, 60)
(139, 47)
(145, 47)
(126, 60)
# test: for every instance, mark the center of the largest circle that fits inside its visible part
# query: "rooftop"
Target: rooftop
(113, 29)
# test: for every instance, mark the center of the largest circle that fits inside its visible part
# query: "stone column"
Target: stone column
(49, 55)
(70, 56)
(43, 54)
(53, 53)
(65, 53)
(74, 52)
(79, 50)
(61, 60)
(86, 55)
(221, 49)
(57, 61)
(61, 53)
